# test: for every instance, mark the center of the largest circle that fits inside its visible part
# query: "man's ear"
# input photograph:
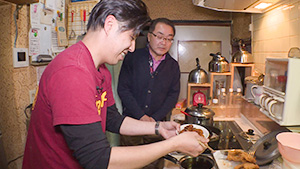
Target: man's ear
(148, 36)
(109, 23)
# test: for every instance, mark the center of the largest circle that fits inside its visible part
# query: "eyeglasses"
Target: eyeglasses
(161, 38)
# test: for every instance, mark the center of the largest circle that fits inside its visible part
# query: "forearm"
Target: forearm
(139, 156)
(132, 126)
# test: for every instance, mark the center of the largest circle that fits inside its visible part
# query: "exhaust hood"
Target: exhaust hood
(248, 6)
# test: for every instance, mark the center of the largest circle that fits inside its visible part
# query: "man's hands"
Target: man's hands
(168, 129)
(188, 143)
(147, 118)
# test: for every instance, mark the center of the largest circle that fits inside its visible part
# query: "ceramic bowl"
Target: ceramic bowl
(205, 131)
(289, 146)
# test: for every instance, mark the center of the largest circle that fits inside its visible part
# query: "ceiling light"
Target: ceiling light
(263, 5)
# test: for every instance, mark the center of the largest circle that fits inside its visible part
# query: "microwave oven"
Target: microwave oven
(281, 96)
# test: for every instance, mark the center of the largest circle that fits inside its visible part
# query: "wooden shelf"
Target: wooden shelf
(209, 86)
(245, 65)
(191, 86)
(228, 80)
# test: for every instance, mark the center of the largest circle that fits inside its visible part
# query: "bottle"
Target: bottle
(230, 97)
(238, 97)
(215, 101)
(222, 97)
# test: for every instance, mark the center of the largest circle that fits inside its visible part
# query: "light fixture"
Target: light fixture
(262, 5)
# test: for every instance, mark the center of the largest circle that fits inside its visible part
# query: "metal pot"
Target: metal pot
(188, 162)
(218, 63)
(242, 56)
(198, 75)
(200, 115)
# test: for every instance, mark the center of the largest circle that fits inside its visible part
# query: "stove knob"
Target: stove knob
(250, 132)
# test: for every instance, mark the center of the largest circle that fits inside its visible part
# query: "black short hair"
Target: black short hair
(132, 13)
(161, 20)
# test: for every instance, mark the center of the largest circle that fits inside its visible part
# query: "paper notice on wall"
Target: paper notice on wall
(34, 41)
(50, 4)
(55, 48)
(61, 32)
(35, 13)
(44, 35)
(60, 5)
(46, 16)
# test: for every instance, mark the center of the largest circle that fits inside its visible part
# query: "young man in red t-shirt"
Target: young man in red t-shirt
(75, 105)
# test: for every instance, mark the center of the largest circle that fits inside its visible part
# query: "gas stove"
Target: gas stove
(228, 135)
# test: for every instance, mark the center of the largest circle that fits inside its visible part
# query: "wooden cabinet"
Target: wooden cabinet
(209, 87)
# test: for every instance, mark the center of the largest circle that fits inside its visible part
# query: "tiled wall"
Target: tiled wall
(275, 32)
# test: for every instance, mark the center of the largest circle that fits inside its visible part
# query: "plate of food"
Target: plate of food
(234, 159)
(202, 131)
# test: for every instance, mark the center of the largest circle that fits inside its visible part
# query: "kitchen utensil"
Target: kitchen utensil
(198, 75)
(205, 145)
(72, 34)
(242, 56)
(185, 113)
(294, 52)
(82, 22)
(289, 146)
(218, 63)
(188, 162)
(200, 115)
(265, 150)
(205, 131)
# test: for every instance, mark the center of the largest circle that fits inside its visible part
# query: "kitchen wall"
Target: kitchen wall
(17, 82)
(275, 32)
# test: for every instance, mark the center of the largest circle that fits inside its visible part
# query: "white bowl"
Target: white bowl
(205, 131)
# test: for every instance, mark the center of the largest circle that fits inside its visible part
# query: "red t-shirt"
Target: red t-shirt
(71, 91)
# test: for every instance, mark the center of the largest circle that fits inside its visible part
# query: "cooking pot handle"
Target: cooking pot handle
(171, 158)
(212, 54)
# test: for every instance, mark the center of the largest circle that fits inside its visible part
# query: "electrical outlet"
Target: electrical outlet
(20, 57)
(32, 95)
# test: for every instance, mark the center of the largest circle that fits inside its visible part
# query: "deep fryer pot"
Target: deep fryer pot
(188, 162)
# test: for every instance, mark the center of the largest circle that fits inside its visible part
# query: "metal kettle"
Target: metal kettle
(242, 56)
(218, 63)
(198, 75)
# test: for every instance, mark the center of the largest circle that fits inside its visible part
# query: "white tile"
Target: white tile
(293, 27)
(294, 41)
(293, 11)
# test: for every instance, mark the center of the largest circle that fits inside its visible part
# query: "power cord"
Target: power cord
(14, 160)
(25, 111)
(16, 16)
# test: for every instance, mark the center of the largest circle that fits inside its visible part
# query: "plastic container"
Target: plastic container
(237, 98)
(229, 98)
(222, 97)
(289, 146)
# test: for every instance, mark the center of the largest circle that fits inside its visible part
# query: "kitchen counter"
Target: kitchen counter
(246, 112)
(246, 115)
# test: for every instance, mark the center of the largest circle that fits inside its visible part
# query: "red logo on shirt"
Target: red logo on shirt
(100, 103)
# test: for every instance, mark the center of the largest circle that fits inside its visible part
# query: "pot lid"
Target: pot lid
(200, 111)
(265, 150)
